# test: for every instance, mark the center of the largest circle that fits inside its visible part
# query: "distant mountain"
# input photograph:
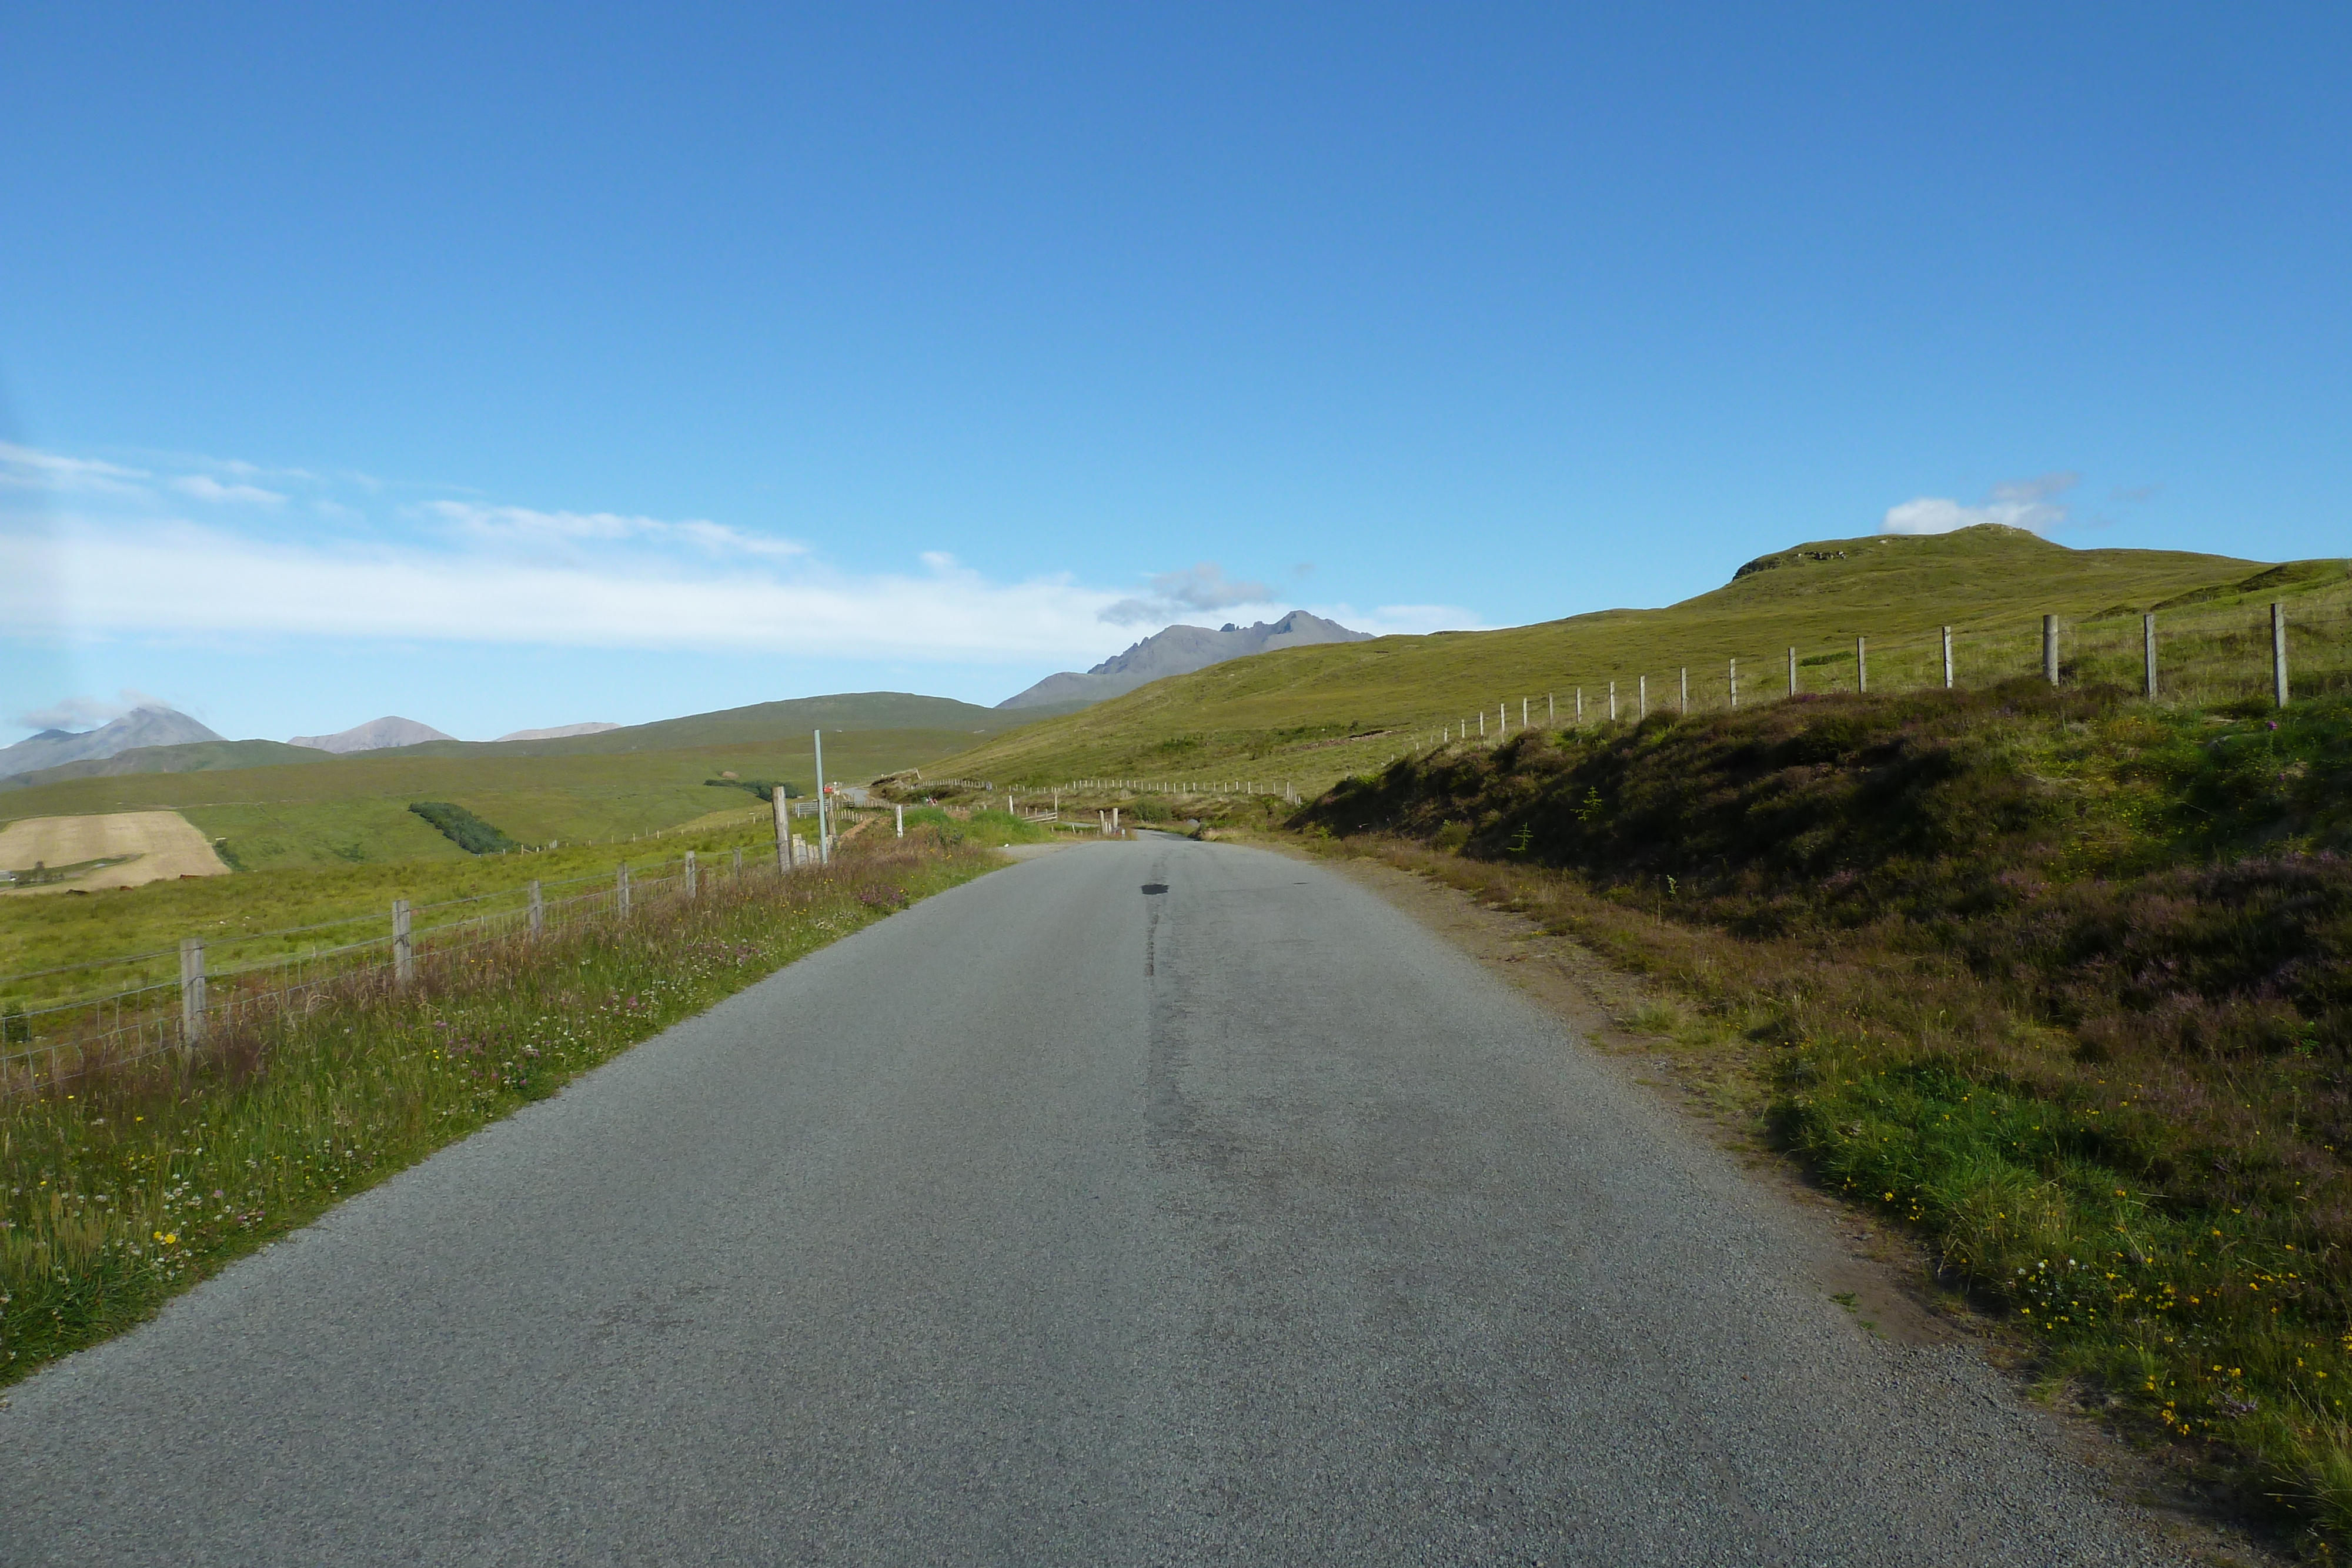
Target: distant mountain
(140, 726)
(198, 757)
(374, 736)
(562, 731)
(1179, 650)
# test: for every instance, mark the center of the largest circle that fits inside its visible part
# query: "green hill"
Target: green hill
(312, 809)
(1314, 714)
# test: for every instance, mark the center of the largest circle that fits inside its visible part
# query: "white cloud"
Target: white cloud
(2024, 503)
(86, 712)
(22, 467)
(527, 526)
(204, 487)
(1173, 594)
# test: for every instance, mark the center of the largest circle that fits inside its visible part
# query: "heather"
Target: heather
(2054, 976)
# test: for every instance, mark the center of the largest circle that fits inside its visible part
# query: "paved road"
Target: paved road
(1056, 1220)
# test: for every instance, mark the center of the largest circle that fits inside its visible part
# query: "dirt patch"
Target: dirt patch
(142, 846)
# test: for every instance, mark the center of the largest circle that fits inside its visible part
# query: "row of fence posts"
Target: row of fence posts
(1446, 733)
(194, 978)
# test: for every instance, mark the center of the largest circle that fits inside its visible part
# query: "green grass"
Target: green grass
(128, 1187)
(354, 810)
(2057, 978)
(254, 916)
(1290, 716)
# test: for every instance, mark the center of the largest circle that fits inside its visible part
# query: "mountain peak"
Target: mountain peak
(375, 735)
(153, 725)
(1178, 650)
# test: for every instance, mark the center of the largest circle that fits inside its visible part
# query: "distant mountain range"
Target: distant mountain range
(140, 726)
(374, 736)
(562, 731)
(1179, 650)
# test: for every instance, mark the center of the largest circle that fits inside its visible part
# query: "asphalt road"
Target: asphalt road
(1057, 1220)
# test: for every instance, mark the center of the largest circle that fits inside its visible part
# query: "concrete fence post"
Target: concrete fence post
(1948, 658)
(192, 992)
(403, 952)
(538, 902)
(621, 891)
(1114, 821)
(2050, 649)
(2147, 651)
(689, 873)
(2278, 652)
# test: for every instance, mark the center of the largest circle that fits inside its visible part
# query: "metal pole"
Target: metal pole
(824, 815)
(2050, 649)
(1948, 658)
(403, 955)
(539, 907)
(2147, 648)
(192, 992)
(2278, 652)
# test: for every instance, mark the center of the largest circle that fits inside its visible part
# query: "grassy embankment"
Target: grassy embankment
(1314, 715)
(2061, 980)
(605, 789)
(122, 1189)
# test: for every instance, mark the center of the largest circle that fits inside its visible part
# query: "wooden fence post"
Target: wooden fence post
(403, 952)
(192, 992)
(2147, 649)
(2050, 649)
(902, 813)
(537, 911)
(1735, 682)
(1642, 696)
(1948, 658)
(1793, 671)
(1861, 664)
(689, 873)
(621, 891)
(2278, 652)
(1613, 700)
(1579, 705)
(738, 862)
(783, 829)
(1684, 707)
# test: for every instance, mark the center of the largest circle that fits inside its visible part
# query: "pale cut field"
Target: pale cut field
(164, 842)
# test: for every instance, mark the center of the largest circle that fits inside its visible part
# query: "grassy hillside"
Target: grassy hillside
(354, 810)
(202, 757)
(2058, 977)
(1290, 715)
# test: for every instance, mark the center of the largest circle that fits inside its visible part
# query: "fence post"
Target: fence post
(1948, 658)
(1613, 700)
(823, 818)
(2050, 649)
(1482, 724)
(1861, 664)
(2147, 648)
(783, 828)
(2278, 652)
(738, 862)
(404, 953)
(1523, 713)
(1642, 695)
(1793, 671)
(1684, 707)
(1735, 682)
(621, 891)
(689, 873)
(902, 813)
(1114, 821)
(538, 910)
(1579, 705)
(192, 992)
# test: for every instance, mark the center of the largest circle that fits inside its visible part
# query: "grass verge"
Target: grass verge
(133, 1186)
(2055, 979)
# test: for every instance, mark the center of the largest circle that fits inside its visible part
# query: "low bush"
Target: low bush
(463, 829)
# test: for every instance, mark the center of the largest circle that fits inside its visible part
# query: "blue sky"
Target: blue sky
(503, 366)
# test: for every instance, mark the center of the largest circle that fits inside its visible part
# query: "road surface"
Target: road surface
(1143, 1203)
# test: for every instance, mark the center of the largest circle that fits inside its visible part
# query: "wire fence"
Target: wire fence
(104, 1027)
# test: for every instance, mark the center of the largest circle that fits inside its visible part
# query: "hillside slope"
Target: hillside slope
(1288, 715)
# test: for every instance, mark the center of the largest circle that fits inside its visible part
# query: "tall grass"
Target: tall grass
(2058, 978)
(121, 1188)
